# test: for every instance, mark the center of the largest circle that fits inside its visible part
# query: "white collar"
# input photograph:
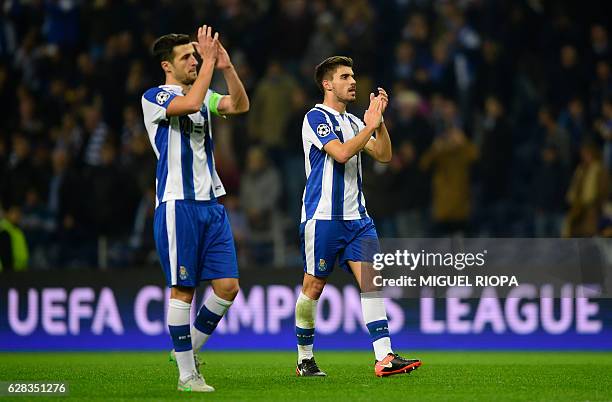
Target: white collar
(330, 110)
(174, 88)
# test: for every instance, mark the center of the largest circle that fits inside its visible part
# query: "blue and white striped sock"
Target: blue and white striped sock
(178, 324)
(305, 313)
(375, 318)
(213, 309)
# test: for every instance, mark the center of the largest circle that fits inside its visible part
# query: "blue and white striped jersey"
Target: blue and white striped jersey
(333, 190)
(183, 146)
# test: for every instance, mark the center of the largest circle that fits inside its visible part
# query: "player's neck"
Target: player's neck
(335, 104)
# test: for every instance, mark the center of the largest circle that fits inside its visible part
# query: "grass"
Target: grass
(270, 376)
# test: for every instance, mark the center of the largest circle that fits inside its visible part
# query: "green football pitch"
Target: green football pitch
(270, 376)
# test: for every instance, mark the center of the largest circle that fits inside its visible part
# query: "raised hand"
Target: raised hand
(223, 59)
(207, 45)
(382, 94)
(373, 116)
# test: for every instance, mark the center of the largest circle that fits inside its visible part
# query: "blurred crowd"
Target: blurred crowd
(500, 118)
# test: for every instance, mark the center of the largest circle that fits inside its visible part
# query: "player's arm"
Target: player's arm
(207, 46)
(237, 101)
(342, 152)
(379, 148)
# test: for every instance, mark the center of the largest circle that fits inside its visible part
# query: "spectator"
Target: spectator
(240, 227)
(260, 177)
(68, 211)
(449, 159)
(440, 69)
(293, 24)
(554, 135)
(418, 33)
(269, 115)
(21, 172)
(412, 191)
(293, 184)
(568, 80)
(548, 192)
(14, 253)
(37, 225)
(495, 167)
(603, 126)
(600, 44)
(493, 73)
(601, 87)
(409, 122)
(111, 189)
(378, 181)
(321, 45)
(94, 136)
(573, 121)
(587, 194)
(404, 63)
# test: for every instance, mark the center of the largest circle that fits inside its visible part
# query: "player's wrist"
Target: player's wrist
(371, 127)
(208, 61)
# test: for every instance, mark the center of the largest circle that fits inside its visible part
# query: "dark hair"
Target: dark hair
(163, 48)
(327, 67)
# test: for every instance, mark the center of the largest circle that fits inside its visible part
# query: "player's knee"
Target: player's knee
(183, 294)
(313, 288)
(233, 291)
(228, 291)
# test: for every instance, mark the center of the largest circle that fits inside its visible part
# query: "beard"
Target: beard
(346, 97)
(188, 80)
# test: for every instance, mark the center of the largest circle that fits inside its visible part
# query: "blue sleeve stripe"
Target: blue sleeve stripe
(161, 142)
(186, 158)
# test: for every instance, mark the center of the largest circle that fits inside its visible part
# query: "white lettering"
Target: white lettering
(524, 321)
(585, 309)
(52, 310)
(489, 312)
(27, 326)
(547, 302)
(456, 309)
(79, 308)
(352, 310)
(248, 312)
(331, 323)
(429, 324)
(280, 306)
(107, 314)
(146, 295)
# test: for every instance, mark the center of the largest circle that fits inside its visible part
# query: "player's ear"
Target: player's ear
(165, 65)
(327, 85)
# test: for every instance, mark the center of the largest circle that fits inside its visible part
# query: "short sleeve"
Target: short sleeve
(317, 129)
(154, 104)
